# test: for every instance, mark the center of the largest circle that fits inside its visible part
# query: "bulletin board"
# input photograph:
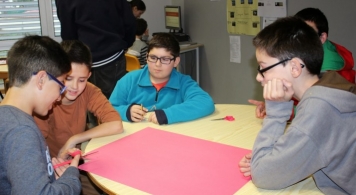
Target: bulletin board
(242, 17)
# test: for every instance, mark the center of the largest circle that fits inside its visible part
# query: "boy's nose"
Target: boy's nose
(259, 77)
(74, 84)
(158, 63)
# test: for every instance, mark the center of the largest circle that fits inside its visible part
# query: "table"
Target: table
(241, 133)
(184, 49)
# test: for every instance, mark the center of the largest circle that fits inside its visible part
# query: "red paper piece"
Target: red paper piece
(160, 162)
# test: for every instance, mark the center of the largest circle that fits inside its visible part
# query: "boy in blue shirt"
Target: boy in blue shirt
(158, 87)
(37, 67)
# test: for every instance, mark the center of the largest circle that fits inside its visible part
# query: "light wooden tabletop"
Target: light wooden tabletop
(241, 133)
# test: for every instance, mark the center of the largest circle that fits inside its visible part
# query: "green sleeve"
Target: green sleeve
(332, 60)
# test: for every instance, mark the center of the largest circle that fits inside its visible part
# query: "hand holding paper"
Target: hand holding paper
(74, 155)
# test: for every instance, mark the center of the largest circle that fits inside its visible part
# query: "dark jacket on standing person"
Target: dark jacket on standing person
(107, 27)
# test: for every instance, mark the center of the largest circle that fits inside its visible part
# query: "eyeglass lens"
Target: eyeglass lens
(163, 60)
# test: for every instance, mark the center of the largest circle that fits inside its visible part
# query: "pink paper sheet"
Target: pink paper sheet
(160, 162)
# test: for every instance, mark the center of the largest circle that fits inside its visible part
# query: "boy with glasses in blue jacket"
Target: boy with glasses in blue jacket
(171, 96)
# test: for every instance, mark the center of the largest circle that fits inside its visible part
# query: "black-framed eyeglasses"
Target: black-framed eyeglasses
(163, 60)
(261, 71)
(62, 88)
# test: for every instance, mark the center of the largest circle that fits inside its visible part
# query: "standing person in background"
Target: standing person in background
(108, 28)
(138, 7)
(139, 48)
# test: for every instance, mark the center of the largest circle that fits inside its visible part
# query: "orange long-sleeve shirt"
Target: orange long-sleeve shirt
(64, 121)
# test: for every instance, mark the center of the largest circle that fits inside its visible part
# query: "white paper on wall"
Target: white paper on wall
(235, 49)
(267, 21)
(272, 8)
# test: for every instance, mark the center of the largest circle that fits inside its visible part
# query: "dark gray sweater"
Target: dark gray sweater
(25, 163)
(321, 141)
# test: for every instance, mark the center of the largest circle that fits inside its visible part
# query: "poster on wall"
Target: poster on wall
(272, 8)
(242, 17)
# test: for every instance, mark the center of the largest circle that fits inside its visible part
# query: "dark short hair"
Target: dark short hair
(33, 54)
(141, 26)
(139, 4)
(77, 52)
(291, 37)
(165, 40)
(316, 16)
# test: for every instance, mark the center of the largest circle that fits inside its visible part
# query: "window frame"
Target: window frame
(46, 24)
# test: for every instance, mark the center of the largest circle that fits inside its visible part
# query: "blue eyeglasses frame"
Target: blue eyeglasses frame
(51, 77)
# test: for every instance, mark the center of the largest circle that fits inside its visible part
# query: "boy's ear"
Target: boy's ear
(89, 75)
(296, 67)
(176, 62)
(40, 79)
(323, 37)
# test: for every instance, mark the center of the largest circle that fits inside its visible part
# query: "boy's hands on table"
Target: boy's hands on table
(260, 108)
(245, 165)
(153, 118)
(138, 113)
(66, 155)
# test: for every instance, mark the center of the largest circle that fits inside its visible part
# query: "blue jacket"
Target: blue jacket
(180, 100)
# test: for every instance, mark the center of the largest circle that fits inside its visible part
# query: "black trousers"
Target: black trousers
(105, 77)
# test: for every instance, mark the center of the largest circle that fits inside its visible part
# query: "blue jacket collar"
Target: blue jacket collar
(144, 79)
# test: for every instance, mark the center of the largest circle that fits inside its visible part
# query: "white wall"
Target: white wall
(226, 82)
(154, 15)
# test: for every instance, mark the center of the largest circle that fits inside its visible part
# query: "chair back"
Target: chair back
(132, 62)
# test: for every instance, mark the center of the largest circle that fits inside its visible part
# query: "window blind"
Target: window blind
(19, 18)
(56, 23)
